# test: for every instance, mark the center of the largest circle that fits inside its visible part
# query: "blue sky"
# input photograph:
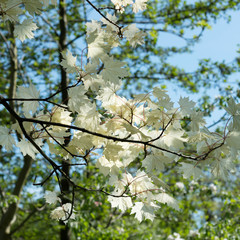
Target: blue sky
(219, 43)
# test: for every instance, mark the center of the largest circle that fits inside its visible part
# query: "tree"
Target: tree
(117, 136)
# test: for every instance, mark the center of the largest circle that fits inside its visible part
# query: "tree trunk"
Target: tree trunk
(13, 66)
(65, 231)
(9, 216)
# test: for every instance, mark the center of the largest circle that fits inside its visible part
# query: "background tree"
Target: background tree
(37, 57)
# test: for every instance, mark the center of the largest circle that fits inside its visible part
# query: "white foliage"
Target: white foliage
(221, 167)
(186, 105)
(69, 62)
(51, 197)
(27, 148)
(113, 70)
(6, 140)
(123, 203)
(233, 140)
(139, 5)
(144, 210)
(190, 170)
(77, 98)
(33, 6)
(29, 93)
(134, 35)
(63, 212)
(12, 10)
(232, 107)
(197, 121)
(137, 209)
(165, 198)
(24, 30)
(123, 128)
(97, 46)
(60, 115)
(180, 185)
(47, 2)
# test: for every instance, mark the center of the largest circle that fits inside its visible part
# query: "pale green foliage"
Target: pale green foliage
(147, 126)
(27, 148)
(64, 212)
(137, 5)
(29, 93)
(12, 9)
(51, 197)
(69, 62)
(6, 140)
(24, 30)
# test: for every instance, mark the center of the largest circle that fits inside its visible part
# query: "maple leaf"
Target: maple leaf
(104, 165)
(112, 150)
(232, 107)
(140, 186)
(137, 209)
(122, 203)
(107, 94)
(93, 26)
(88, 116)
(148, 211)
(63, 212)
(221, 167)
(173, 138)
(97, 46)
(165, 198)
(160, 93)
(144, 210)
(83, 140)
(139, 5)
(165, 103)
(69, 62)
(134, 35)
(33, 6)
(29, 93)
(47, 2)
(196, 121)
(113, 70)
(133, 130)
(11, 10)
(113, 19)
(202, 135)
(155, 161)
(51, 197)
(77, 98)
(24, 30)
(186, 105)
(234, 110)
(236, 122)
(123, 3)
(158, 182)
(233, 140)
(27, 148)
(6, 139)
(190, 170)
(93, 82)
